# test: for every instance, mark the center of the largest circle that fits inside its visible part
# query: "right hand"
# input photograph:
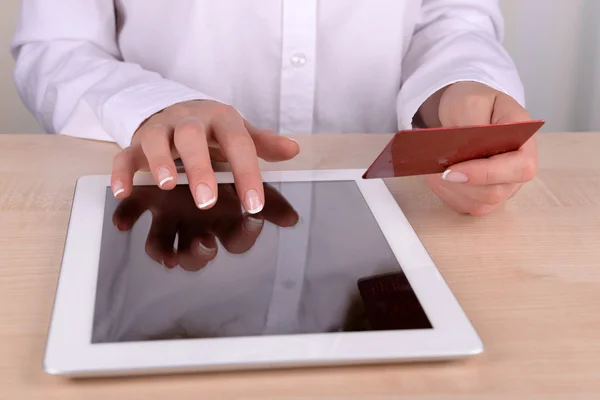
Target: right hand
(175, 214)
(195, 131)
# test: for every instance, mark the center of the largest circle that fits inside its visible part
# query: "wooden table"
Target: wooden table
(528, 276)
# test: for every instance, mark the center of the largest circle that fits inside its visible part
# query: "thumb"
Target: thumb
(271, 146)
(467, 104)
(507, 109)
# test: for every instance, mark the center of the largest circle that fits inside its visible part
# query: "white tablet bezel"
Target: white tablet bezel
(69, 350)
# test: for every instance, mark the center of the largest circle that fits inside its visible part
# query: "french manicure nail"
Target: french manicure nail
(118, 187)
(204, 196)
(164, 175)
(253, 202)
(253, 224)
(455, 177)
(203, 250)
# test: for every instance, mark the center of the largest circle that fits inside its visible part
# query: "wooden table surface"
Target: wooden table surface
(527, 276)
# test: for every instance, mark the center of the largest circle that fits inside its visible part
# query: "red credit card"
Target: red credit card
(433, 150)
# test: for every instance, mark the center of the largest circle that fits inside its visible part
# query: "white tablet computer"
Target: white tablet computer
(330, 272)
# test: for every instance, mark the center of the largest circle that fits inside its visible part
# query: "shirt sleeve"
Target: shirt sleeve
(70, 75)
(455, 40)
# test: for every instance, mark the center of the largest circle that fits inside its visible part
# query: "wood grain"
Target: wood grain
(528, 277)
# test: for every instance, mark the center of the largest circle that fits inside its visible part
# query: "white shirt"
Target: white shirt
(98, 68)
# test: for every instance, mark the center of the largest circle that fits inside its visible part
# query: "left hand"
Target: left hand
(478, 187)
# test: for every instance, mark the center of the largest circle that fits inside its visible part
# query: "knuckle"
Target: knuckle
(154, 130)
(238, 141)
(154, 149)
(188, 130)
(200, 172)
(122, 158)
(247, 179)
(178, 111)
(490, 177)
(248, 176)
(529, 170)
(224, 111)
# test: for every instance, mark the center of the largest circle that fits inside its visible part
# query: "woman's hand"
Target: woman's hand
(197, 131)
(174, 213)
(478, 187)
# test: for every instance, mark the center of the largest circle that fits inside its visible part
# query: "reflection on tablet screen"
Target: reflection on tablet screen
(313, 261)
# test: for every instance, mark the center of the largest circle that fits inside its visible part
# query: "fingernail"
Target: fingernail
(118, 187)
(164, 175)
(253, 202)
(455, 177)
(252, 224)
(204, 196)
(203, 250)
(293, 140)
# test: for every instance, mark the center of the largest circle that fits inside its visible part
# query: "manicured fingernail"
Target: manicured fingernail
(253, 224)
(164, 175)
(455, 177)
(253, 202)
(203, 250)
(118, 187)
(204, 196)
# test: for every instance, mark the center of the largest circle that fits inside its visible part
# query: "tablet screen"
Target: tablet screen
(313, 261)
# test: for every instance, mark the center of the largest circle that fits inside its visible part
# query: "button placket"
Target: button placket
(298, 69)
(298, 60)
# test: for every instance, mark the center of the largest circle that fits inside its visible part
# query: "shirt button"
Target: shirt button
(298, 60)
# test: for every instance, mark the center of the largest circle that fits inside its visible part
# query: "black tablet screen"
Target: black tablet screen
(313, 261)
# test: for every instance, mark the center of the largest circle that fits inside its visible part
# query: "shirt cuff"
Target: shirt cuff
(123, 113)
(410, 100)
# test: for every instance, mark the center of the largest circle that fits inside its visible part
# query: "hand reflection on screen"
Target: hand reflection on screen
(174, 213)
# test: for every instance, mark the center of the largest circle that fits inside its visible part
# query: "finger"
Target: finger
(192, 145)
(513, 167)
(160, 241)
(125, 165)
(130, 209)
(198, 254)
(507, 109)
(484, 194)
(156, 143)
(467, 104)
(238, 236)
(460, 203)
(238, 147)
(272, 147)
(278, 210)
